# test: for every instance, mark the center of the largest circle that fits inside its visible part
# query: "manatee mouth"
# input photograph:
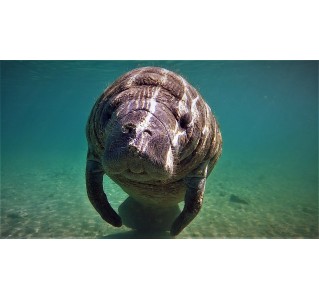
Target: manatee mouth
(143, 176)
(140, 167)
(134, 172)
(135, 165)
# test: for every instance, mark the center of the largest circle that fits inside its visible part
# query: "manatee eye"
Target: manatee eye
(148, 132)
(106, 116)
(185, 120)
(107, 113)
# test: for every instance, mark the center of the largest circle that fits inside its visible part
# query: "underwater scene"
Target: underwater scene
(264, 185)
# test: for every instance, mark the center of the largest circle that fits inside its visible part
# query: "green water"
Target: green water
(265, 185)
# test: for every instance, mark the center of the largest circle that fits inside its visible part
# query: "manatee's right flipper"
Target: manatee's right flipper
(94, 187)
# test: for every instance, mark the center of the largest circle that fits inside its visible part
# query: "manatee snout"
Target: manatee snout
(138, 145)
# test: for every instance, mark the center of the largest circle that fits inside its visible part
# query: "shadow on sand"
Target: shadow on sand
(136, 234)
(147, 222)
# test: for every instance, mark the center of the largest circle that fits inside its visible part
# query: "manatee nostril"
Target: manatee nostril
(147, 131)
(128, 128)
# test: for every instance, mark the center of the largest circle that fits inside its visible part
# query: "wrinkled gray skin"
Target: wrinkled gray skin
(153, 134)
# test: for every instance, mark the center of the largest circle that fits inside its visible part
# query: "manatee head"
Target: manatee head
(138, 142)
(151, 125)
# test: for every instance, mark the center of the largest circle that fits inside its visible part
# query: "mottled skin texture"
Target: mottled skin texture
(153, 134)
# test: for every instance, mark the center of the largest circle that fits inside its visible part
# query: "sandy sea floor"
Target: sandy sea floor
(50, 202)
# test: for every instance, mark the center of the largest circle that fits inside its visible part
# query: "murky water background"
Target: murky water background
(264, 186)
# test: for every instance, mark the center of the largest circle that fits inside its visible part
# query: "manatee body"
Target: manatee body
(153, 134)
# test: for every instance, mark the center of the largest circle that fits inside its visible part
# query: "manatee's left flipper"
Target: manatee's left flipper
(193, 199)
(94, 186)
(193, 203)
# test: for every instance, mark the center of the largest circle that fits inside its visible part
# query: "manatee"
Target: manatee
(153, 134)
